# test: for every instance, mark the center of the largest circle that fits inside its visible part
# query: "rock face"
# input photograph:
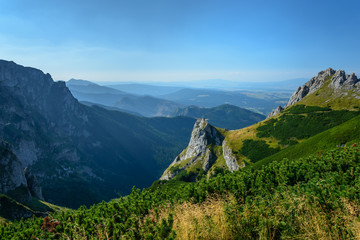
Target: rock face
(311, 86)
(77, 154)
(33, 184)
(339, 81)
(197, 152)
(277, 110)
(202, 135)
(230, 159)
(204, 142)
(12, 175)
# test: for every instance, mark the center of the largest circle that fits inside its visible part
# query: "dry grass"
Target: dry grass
(201, 221)
(295, 217)
(286, 216)
(206, 220)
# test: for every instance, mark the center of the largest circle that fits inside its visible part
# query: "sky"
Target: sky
(181, 40)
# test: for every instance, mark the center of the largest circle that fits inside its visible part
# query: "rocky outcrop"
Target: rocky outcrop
(33, 184)
(12, 177)
(205, 146)
(230, 159)
(198, 151)
(202, 135)
(339, 81)
(311, 86)
(276, 111)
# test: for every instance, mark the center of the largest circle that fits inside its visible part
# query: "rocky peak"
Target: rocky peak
(277, 110)
(202, 135)
(340, 80)
(311, 86)
(37, 92)
(206, 145)
(198, 151)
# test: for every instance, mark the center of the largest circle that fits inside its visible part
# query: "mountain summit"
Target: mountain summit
(327, 100)
(326, 89)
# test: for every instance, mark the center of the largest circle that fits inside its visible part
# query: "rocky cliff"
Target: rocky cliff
(206, 147)
(74, 154)
(12, 176)
(277, 110)
(337, 83)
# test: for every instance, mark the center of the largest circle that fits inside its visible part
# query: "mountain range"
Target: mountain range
(57, 149)
(293, 175)
(328, 104)
(85, 153)
(152, 100)
(142, 104)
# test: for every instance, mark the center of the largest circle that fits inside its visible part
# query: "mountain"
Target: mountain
(327, 105)
(291, 176)
(202, 154)
(78, 154)
(144, 89)
(110, 108)
(223, 116)
(148, 106)
(160, 88)
(261, 102)
(329, 88)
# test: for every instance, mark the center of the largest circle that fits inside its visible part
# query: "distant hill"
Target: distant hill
(260, 102)
(144, 89)
(223, 116)
(111, 108)
(155, 88)
(144, 105)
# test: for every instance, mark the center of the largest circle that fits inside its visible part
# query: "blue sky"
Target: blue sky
(181, 40)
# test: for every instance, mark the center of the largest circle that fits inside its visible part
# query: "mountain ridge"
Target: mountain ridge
(282, 129)
(87, 154)
(334, 84)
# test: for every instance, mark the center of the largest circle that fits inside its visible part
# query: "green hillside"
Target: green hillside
(282, 134)
(312, 198)
(347, 133)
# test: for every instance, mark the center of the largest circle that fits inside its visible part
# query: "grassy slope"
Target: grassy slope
(312, 198)
(346, 133)
(293, 127)
(327, 96)
(10, 209)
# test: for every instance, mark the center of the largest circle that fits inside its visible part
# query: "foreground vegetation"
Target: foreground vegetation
(311, 198)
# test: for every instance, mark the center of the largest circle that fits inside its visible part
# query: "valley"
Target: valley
(179, 120)
(292, 156)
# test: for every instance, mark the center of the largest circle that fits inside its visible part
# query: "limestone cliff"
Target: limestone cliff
(311, 86)
(206, 146)
(75, 154)
(337, 82)
(230, 159)
(12, 176)
(277, 110)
